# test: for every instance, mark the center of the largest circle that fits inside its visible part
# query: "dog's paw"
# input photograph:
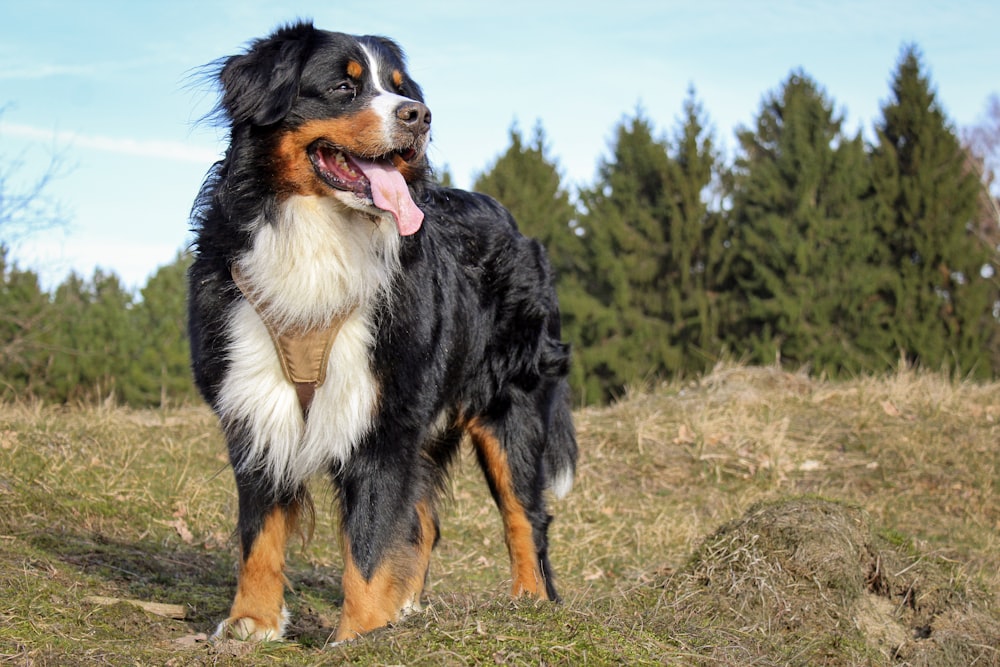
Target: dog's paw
(411, 606)
(251, 629)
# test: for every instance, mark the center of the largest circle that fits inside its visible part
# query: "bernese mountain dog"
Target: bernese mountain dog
(351, 317)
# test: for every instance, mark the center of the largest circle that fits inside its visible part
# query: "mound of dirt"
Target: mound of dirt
(808, 581)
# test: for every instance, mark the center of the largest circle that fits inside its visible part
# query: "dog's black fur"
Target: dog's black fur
(464, 335)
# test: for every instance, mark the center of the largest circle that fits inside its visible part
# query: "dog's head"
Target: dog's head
(339, 114)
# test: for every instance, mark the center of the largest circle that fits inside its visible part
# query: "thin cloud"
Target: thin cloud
(163, 150)
(18, 69)
(43, 71)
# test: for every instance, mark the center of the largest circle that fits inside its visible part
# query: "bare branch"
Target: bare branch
(28, 210)
(983, 140)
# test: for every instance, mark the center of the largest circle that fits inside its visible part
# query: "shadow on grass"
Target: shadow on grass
(201, 581)
(145, 570)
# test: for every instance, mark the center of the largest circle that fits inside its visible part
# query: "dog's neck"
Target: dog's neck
(317, 257)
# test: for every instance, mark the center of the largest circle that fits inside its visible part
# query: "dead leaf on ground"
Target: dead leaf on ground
(890, 409)
(685, 436)
(190, 641)
(180, 525)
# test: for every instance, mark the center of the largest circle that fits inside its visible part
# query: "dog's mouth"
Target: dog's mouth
(378, 181)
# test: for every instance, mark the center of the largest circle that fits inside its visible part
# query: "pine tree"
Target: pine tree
(64, 374)
(161, 371)
(24, 318)
(925, 206)
(625, 335)
(94, 342)
(113, 348)
(694, 236)
(799, 277)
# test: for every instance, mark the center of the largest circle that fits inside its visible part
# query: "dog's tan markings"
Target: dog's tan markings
(397, 78)
(428, 535)
(294, 171)
(395, 587)
(354, 69)
(525, 571)
(257, 611)
(409, 171)
(358, 134)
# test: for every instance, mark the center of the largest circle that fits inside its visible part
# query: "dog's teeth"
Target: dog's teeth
(345, 166)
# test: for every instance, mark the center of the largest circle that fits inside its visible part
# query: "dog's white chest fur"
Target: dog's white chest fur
(316, 261)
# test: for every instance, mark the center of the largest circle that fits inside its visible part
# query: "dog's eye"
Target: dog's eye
(344, 87)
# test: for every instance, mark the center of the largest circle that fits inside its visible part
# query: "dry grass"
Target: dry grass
(751, 517)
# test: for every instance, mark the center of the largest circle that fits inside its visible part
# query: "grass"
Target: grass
(752, 516)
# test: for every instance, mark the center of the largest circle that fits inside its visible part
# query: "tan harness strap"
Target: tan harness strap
(304, 353)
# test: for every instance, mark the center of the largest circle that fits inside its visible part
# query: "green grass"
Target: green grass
(750, 517)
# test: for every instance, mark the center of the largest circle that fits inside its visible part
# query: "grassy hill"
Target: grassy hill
(749, 517)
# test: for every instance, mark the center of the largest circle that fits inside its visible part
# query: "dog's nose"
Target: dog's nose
(415, 116)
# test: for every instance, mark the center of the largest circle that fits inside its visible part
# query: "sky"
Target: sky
(112, 90)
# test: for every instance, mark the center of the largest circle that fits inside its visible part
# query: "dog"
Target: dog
(350, 317)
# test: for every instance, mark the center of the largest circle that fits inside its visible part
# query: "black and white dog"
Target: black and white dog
(350, 317)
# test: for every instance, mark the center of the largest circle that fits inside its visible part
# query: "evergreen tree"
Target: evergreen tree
(160, 373)
(695, 235)
(925, 206)
(799, 276)
(625, 335)
(24, 315)
(113, 347)
(94, 343)
(64, 376)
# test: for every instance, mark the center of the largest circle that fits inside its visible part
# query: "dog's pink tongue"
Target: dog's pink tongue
(389, 192)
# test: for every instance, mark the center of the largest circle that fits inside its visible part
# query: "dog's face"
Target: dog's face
(341, 115)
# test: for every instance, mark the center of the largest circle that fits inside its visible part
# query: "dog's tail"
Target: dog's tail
(560, 451)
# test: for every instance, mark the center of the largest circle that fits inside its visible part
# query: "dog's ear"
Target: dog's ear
(260, 85)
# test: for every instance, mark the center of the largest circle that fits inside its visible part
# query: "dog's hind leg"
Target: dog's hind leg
(510, 456)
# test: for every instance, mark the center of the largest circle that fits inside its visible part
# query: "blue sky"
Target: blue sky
(107, 87)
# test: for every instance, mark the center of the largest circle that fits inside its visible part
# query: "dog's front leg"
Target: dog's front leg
(258, 612)
(388, 531)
